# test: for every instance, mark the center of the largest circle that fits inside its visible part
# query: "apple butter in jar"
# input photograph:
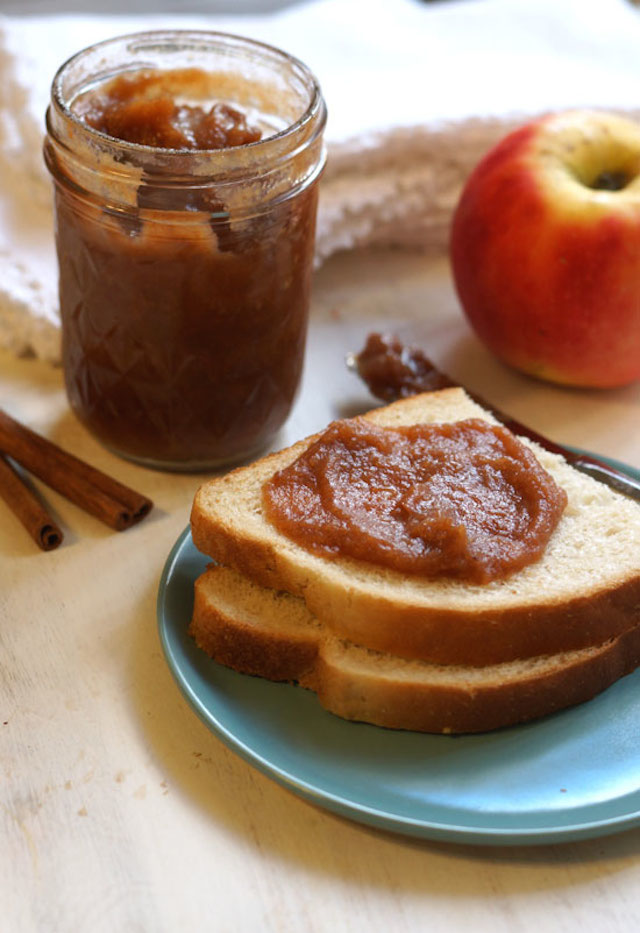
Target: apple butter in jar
(185, 167)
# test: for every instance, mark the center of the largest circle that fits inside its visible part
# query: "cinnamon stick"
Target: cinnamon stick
(115, 504)
(28, 508)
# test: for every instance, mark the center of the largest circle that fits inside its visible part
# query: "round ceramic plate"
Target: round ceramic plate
(572, 775)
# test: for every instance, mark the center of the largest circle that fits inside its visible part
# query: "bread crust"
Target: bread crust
(352, 684)
(446, 709)
(251, 649)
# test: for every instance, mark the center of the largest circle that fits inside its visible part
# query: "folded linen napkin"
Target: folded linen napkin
(416, 93)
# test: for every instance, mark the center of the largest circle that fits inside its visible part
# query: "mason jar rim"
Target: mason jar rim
(315, 110)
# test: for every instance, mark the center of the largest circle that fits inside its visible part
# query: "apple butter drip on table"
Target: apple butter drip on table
(392, 370)
(465, 500)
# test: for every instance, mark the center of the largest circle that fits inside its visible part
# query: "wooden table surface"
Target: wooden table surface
(122, 812)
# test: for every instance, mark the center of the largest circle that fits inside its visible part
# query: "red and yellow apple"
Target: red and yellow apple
(545, 249)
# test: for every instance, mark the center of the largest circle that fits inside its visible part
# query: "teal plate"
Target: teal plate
(572, 775)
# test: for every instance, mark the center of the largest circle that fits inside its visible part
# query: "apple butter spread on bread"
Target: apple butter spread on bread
(463, 499)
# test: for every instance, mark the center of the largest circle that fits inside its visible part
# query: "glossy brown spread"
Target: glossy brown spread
(145, 108)
(184, 330)
(465, 499)
(392, 370)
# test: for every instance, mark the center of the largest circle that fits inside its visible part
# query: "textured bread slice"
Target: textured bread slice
(272, 634)
(584, 591)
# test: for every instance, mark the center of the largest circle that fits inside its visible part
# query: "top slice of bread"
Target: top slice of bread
(582, 592)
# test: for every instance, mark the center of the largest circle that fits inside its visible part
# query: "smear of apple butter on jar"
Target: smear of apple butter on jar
(466, 499)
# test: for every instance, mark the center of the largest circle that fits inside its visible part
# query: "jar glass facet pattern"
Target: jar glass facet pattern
(185, 274)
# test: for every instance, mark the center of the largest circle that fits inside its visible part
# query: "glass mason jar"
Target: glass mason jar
(185, 273)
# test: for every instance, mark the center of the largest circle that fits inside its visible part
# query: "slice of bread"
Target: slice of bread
(272, 634)
(584, 591)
